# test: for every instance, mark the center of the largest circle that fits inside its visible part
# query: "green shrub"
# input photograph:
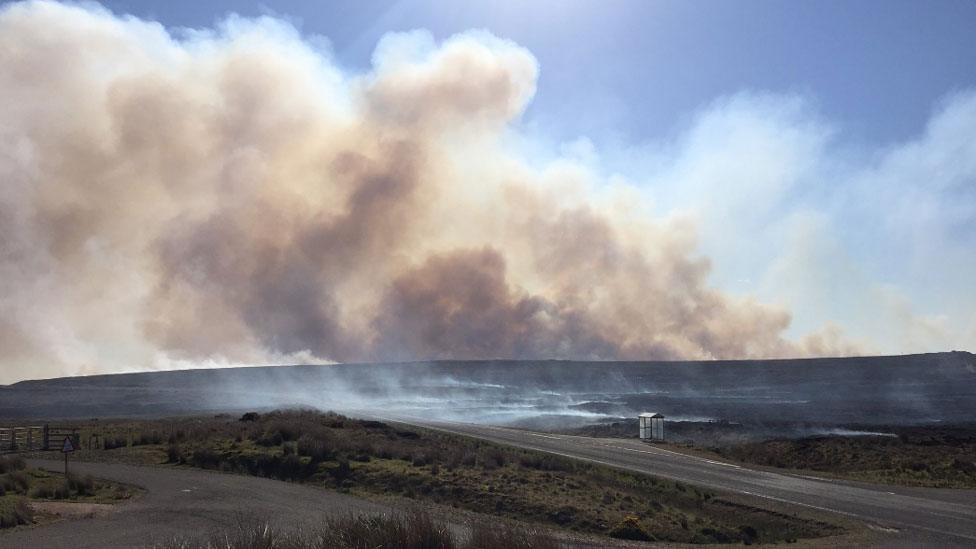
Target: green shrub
(205, 458)
(11, 463)
(50, 491)
(712, 535)
(14, 511)
(82, 486)
(111, 443)
(145, 439)
(270, 439)
(174, 454)
(17, 481)
(749, 534)
(317, 449)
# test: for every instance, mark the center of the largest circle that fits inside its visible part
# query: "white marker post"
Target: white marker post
(66, 449)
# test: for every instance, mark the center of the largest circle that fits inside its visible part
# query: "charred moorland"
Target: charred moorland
(889, 390)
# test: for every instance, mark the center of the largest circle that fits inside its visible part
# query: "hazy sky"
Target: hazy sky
(818, 160)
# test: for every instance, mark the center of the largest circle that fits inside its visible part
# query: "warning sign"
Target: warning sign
(68, 445)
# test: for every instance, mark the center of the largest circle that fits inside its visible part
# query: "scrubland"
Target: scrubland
(397, 463)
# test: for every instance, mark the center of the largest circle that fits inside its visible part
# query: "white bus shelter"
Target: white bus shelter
(651, 426)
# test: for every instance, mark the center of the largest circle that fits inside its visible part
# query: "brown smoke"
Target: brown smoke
(233, 196)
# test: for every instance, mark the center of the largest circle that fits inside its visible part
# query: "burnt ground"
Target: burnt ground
(910, 389)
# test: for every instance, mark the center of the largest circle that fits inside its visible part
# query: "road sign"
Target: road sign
(68, 445)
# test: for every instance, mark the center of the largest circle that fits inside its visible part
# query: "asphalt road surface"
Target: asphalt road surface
(904, 516)
(184, 502)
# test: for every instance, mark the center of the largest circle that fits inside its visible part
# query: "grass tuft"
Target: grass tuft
(414, 530)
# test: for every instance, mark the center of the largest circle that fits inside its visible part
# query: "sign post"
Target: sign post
(66, 449)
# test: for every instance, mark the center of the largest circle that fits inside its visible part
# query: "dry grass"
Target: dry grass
(416, 530)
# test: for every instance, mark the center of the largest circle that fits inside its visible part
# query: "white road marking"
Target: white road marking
(661, 450)
(544, 436)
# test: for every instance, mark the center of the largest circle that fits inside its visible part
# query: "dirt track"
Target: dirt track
(185, 502)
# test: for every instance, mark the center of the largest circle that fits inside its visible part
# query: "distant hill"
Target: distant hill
(885, 389)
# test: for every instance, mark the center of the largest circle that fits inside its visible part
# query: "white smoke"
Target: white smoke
(230, 195)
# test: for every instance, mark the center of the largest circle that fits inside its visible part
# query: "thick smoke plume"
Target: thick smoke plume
(231, 195)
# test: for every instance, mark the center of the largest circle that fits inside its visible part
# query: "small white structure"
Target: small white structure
(651, 426)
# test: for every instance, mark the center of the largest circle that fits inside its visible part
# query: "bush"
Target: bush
(291, 467)
(630, 528)
(82, 486)
(749, 534)
(145, 439)
(14, 511)
(270, 439)
(715, 536)
(17, 481)
(11, 463)
(112, 443)
(964, 465)
(174, 454)
(342, 471)
(205, 458)
(317, 449)
(50, 491)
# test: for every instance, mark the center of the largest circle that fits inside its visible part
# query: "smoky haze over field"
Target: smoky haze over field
(824, 393)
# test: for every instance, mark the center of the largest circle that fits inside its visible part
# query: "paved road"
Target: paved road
(184, 502)
(910, 516)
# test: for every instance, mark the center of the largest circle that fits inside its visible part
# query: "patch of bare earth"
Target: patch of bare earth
(50, 511)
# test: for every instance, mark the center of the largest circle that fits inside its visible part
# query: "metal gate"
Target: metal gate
(34, 438)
